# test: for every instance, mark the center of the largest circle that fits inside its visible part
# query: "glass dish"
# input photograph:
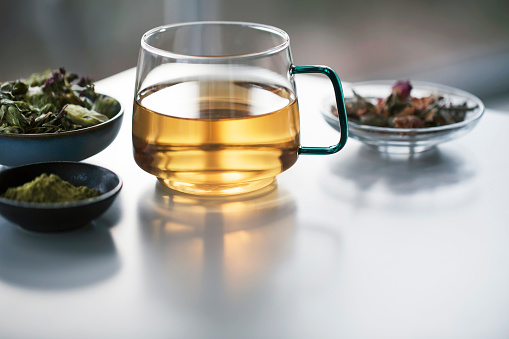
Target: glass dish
(406, 140)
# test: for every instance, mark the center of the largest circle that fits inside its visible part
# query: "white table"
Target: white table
(352, 245)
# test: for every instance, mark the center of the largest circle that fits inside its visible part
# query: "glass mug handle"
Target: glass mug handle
(340, 102)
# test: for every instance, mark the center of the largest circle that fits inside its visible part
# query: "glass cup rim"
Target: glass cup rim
(162, 52)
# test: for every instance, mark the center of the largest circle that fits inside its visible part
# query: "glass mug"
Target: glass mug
(215, 109)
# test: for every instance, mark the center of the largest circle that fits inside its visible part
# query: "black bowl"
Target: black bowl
(56, 217)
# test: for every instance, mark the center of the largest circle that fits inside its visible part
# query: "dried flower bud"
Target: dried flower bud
(402, 89)
(85, 81)
(53, 83)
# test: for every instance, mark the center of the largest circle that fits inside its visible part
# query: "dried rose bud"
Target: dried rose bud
(402, 89)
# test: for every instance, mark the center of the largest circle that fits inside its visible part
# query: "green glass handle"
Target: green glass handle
(340, 102)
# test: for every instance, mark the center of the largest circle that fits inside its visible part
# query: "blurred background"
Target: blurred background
(462, 43)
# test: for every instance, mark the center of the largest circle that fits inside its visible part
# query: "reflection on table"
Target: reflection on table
(212, 253)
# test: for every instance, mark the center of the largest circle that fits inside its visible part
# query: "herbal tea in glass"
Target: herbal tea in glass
(217, 114)
(212, 135)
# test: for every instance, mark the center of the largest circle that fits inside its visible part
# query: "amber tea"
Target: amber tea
(215, 137)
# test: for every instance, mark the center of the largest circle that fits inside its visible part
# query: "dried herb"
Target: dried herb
(401, 110)
(49, 188)
(52, 102)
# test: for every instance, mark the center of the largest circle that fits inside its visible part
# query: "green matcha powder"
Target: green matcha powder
(49, 188)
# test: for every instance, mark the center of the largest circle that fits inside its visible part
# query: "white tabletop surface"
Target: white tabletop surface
(351, 245)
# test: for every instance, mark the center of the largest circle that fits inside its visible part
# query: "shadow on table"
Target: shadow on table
(429, 178)
(51, 261)
(213, 255)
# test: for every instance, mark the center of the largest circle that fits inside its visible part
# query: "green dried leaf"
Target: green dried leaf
(106, 105)
(85, 117)
(37, 79)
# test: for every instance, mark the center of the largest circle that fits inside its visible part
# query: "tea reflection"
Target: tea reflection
(210, 252)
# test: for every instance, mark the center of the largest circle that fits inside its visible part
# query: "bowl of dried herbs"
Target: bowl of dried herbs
(56, 196)
(55, 116)
(406, 117)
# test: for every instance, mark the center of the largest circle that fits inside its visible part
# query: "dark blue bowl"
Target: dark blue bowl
(57, 217)
(22, 149)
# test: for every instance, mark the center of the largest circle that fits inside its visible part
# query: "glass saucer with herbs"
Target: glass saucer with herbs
(405, 117)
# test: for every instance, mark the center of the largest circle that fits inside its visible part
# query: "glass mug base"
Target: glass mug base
(217, 189)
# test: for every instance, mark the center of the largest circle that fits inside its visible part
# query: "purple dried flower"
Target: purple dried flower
(402, 89)
(85, 81)
(55, 83)
(48, 84)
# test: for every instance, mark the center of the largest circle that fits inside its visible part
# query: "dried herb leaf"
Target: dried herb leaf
(51, 102)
